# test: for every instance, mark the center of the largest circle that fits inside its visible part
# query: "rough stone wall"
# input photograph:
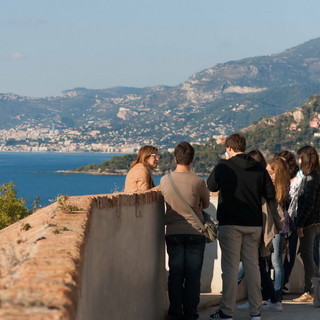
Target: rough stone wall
(42, 257)
(39, 263)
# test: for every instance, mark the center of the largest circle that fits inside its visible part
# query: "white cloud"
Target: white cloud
(34, 21)
(16, 55)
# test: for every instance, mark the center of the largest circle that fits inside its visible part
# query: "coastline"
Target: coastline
(93, 172)
(122, 173)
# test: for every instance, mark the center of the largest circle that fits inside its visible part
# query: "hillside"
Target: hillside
(217, 100)
(288, 131)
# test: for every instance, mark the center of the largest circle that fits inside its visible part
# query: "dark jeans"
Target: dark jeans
(185, 263)
(316, 248)
(268, 291)
(306, 250)
(290, 257)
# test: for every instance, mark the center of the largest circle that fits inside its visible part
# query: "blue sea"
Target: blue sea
(35, 175)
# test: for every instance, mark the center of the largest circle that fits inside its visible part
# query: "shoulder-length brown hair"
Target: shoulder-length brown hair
(279, 172)
(309, 159)
(143, 155)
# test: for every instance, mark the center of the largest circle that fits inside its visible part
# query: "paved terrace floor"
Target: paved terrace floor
(291, 310)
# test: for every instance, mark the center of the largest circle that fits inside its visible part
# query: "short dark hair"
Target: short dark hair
(184, 153)
(309, 159)
(237, 142)
(258, 156)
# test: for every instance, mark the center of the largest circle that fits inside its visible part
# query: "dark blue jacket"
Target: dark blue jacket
(309, 201)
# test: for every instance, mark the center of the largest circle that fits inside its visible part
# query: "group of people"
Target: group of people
(262, 209)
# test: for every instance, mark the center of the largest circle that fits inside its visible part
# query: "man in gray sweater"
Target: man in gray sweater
(184, 239)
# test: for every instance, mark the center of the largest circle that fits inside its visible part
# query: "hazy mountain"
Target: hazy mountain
(220, 99)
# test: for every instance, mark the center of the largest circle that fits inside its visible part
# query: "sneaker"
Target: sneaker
(244, 306)
(257, 317)
(306, 297)
(277, 306)
(220, 315)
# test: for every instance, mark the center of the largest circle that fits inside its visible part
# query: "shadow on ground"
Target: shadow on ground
(291, 310)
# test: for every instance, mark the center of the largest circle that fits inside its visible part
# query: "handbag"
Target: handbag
(210, 226)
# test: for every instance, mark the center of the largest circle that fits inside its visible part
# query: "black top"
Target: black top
(242, 182)
(309, 201)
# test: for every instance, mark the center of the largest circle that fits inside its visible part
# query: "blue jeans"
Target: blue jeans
(276, 259)
(185, 253)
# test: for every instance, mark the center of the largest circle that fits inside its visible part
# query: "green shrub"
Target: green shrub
(12, 208)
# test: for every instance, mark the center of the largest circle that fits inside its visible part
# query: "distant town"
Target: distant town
(26, 139)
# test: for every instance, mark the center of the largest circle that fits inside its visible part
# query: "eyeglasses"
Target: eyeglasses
(155, 155)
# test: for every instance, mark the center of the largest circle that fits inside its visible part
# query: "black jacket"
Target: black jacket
(309, 201)
(242, 183)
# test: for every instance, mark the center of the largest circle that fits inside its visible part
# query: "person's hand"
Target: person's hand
(156, 188)
(300, 232)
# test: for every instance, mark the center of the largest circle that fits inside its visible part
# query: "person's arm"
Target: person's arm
(142, 179)
(270, 196)
(204, 195)
(212, 182)
(156, 188)
(277, 214)
(269, 190)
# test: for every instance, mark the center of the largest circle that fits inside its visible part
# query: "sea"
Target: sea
(36, 175)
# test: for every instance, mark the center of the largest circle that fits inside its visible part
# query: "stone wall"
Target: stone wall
(123, 274)
(102, 261)
(39, 263)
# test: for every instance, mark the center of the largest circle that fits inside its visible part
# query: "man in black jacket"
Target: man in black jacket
(241, 182)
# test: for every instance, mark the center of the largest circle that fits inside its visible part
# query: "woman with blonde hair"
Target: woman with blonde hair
(279, 172)
(140, 177)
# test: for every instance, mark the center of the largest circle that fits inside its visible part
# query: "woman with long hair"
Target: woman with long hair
(292, 238)
(279, 173)
(308, 215)
(140, 177)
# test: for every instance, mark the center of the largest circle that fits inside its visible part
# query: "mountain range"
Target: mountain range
(218, 100)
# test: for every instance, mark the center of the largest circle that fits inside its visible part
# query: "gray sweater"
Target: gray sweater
(195, 192)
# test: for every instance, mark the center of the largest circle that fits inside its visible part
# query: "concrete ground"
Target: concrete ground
(291, 310)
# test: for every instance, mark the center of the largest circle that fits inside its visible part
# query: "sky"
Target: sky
(48, 46)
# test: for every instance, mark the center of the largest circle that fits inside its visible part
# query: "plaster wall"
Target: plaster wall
(123, 273)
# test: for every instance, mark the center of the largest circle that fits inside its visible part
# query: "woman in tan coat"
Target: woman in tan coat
(139, 177)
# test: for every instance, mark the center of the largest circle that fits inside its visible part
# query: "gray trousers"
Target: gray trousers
(306, 251)
(239, 242)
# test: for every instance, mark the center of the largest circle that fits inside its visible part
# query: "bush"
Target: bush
(12, 208)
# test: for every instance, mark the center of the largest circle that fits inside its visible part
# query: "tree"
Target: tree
(12, 208)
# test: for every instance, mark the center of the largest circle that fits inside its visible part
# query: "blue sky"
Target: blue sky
(48, 46)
